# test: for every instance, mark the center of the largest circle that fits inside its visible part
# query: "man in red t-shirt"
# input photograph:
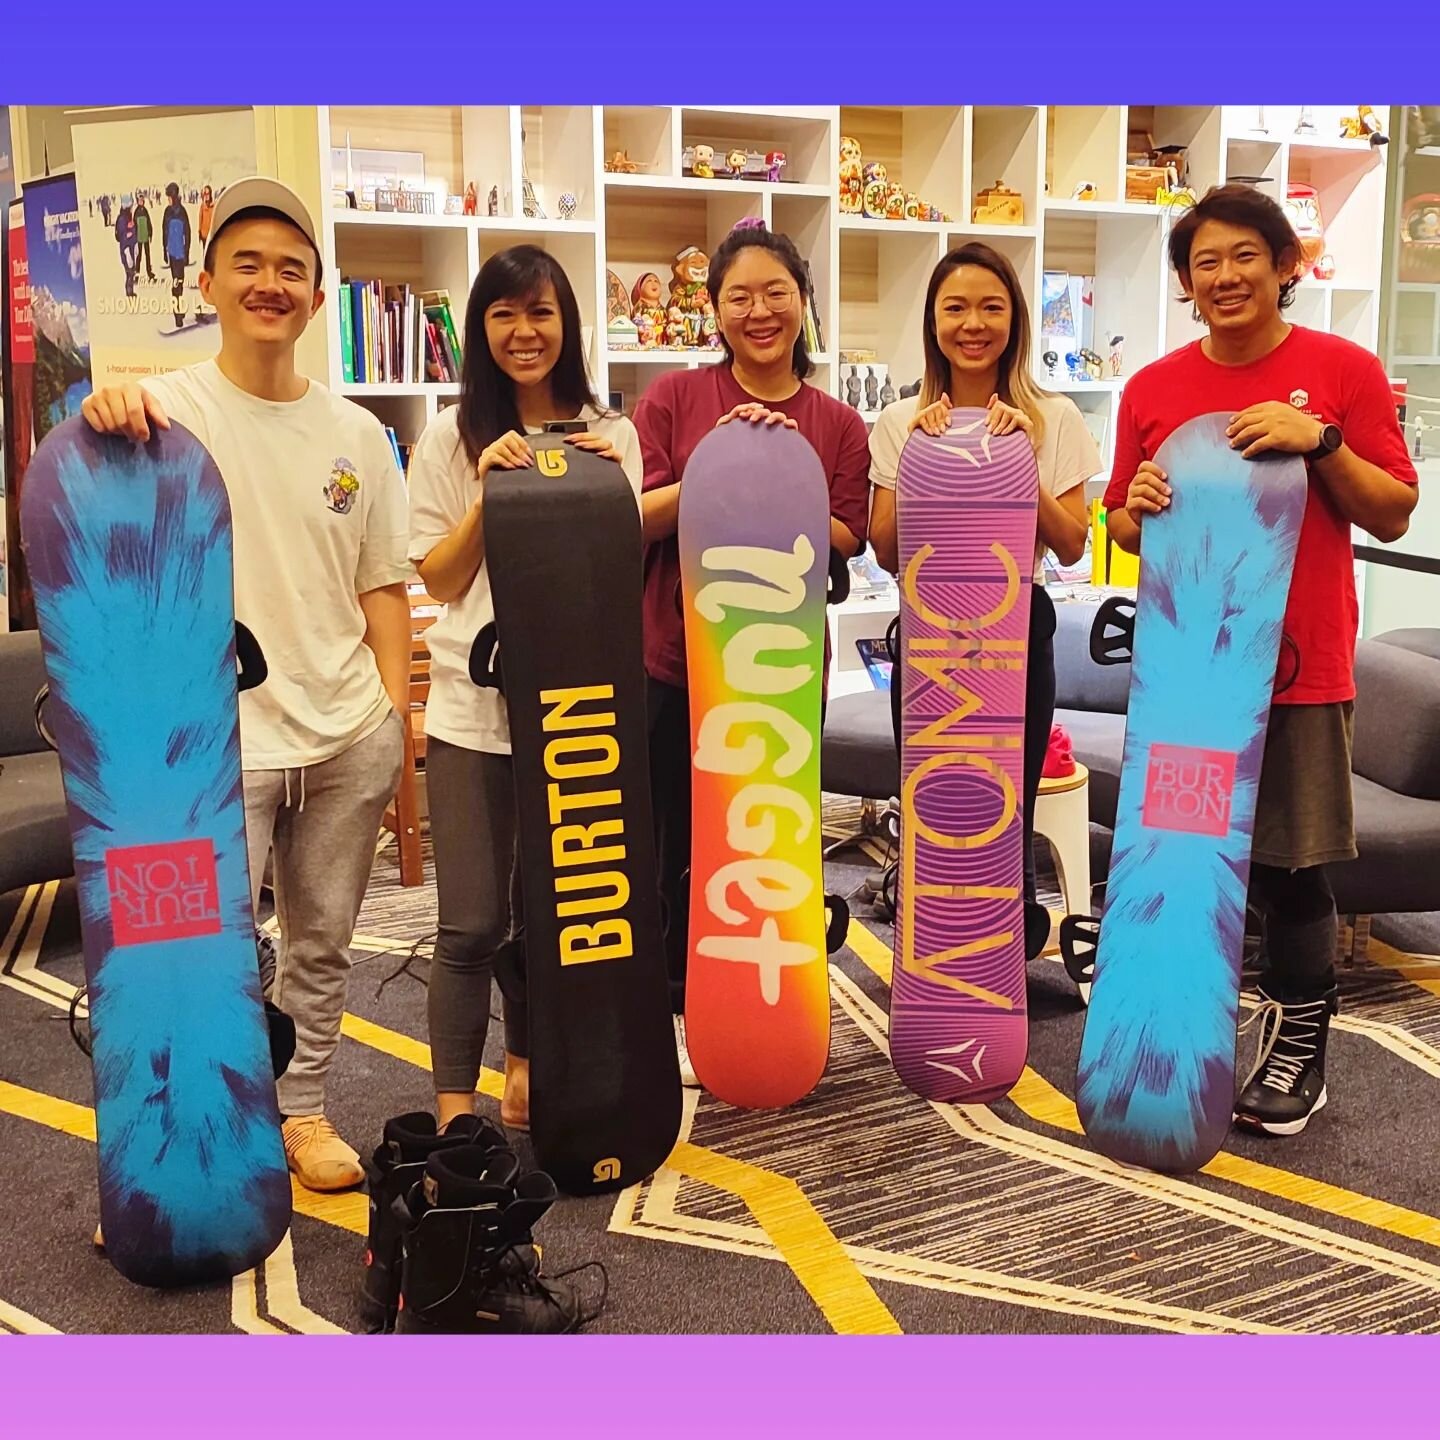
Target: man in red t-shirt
(1304, 393)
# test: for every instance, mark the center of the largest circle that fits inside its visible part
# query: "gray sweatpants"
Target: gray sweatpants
(322, 822)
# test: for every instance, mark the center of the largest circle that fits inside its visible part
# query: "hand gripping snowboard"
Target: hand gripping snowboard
(754, 559)
(563, 547)
(129, 549)
(1156, 1084)
(966, 507)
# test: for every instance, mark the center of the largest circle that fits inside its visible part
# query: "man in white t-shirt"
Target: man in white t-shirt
(320, 533)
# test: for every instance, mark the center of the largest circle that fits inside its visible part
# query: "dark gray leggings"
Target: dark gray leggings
(472, 828)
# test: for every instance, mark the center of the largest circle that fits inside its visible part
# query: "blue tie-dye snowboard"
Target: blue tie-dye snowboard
(129, 550)
(1156, 1085)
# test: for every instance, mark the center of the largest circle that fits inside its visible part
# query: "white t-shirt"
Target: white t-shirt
(443, 486)
(318, 518)
(1067, 456)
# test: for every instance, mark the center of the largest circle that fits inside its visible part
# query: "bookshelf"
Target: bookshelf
(869, 274)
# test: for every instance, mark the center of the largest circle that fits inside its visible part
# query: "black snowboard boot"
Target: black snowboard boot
(471, 1266)
(1287, 1085)
(397, 1164)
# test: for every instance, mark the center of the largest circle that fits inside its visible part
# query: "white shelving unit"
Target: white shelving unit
(870, 275)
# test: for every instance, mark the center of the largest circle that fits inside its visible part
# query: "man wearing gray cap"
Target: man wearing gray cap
(320, 535)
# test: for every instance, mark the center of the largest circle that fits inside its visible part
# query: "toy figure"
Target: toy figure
(690, 269)
(567, 206)
(887, 393)
(895, 202)
(492, 203)
(620, 163)
(912, 206)
(1117, 353)
(1302, 206)
(872, 389)
(874, 203)
(735, 164)
(1325, 267)
(852, 178)
(1085, 190)
(1094, 365)
(675, 329)
(1051, 360)
(852, 388)
(710, 332)
(472, 200)
(774, 164)
(704, 162)
(646, 329)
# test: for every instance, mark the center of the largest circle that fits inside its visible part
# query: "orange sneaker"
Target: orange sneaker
(317, 1155)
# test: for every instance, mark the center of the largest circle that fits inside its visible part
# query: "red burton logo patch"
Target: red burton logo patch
(1188, 789)
(163, 892)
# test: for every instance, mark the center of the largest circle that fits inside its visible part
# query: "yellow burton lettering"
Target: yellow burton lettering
(578, 857)
(564, 701)
(604, 940)
(551, 462)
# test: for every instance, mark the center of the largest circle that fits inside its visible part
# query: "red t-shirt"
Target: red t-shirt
(1330, 379)
(673, 417)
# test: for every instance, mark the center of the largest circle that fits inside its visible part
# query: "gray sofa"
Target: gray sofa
(34, 834)
(1396, 762)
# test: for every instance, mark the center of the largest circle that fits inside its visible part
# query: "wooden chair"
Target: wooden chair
(402, 819)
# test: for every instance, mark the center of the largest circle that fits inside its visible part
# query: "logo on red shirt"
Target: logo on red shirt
(163, 892)
(1188, 789)
(1299, 398)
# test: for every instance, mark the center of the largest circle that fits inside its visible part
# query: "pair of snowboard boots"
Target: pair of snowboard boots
(451, 1249)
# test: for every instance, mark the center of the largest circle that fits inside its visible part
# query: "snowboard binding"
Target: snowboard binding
(1079, 940)
(485, 668)
(1112, 635)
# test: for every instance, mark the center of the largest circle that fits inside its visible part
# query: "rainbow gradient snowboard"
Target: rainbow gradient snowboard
(1156, 1084)
(129, 549)
(966, 505)
(754, 554)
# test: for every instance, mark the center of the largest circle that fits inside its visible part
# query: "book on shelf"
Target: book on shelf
(395, 335)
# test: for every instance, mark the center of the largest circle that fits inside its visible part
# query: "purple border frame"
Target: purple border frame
(751, 51)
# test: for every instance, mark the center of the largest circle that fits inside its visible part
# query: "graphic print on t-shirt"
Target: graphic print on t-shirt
(343, 487)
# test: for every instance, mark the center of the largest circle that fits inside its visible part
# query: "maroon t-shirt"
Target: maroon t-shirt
(673, 416)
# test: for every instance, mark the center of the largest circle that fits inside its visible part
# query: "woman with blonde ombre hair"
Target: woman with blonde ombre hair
(977, 356)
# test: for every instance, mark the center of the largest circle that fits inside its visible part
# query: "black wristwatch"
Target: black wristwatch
(1330, 441)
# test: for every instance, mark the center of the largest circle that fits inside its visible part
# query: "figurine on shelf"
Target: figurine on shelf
(1302, 206)
(492, 203)
(567, 205)
(852, 388)
(774, 164)
(912, 206)
(472, 200)
(887, 391)
(704, 162)
(1094, 365)
(647, 332)
(999, 205)
(689, 271)
(895, 202)
(710, 331)
(1051, 360)
(1363, 124)
(676, 331)
(620, 163)
(1325, 267)
(735, 164)
(1075, 367)
(873, 205)
(1305, 125)
(852, 178)
(647, 306)
(622, 333)
(617, 298)
(1117, 355)
(1085, 190)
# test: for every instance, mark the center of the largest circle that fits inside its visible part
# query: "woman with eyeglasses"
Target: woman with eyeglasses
(977, 356)
(760, 287)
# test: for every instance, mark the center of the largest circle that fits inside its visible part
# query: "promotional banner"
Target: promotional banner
(57, 301)
(7, 193)
(147, 190)
(19, 410)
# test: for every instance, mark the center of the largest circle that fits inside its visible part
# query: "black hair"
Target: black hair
(261, 212)
(782, 247)
(487, 406)
(1244, 206)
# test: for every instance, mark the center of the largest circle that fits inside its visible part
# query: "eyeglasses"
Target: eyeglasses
(778, 299)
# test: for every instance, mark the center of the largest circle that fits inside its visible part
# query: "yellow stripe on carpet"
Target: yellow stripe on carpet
(779, 1206)
(805, 1242)
(1042, 1102)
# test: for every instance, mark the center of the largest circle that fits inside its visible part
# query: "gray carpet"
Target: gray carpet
(862, 1208)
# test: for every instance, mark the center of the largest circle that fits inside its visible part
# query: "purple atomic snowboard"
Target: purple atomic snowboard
(966, 507)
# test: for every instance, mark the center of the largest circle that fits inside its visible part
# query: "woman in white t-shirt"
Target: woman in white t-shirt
(977, 355)
(523, 366)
